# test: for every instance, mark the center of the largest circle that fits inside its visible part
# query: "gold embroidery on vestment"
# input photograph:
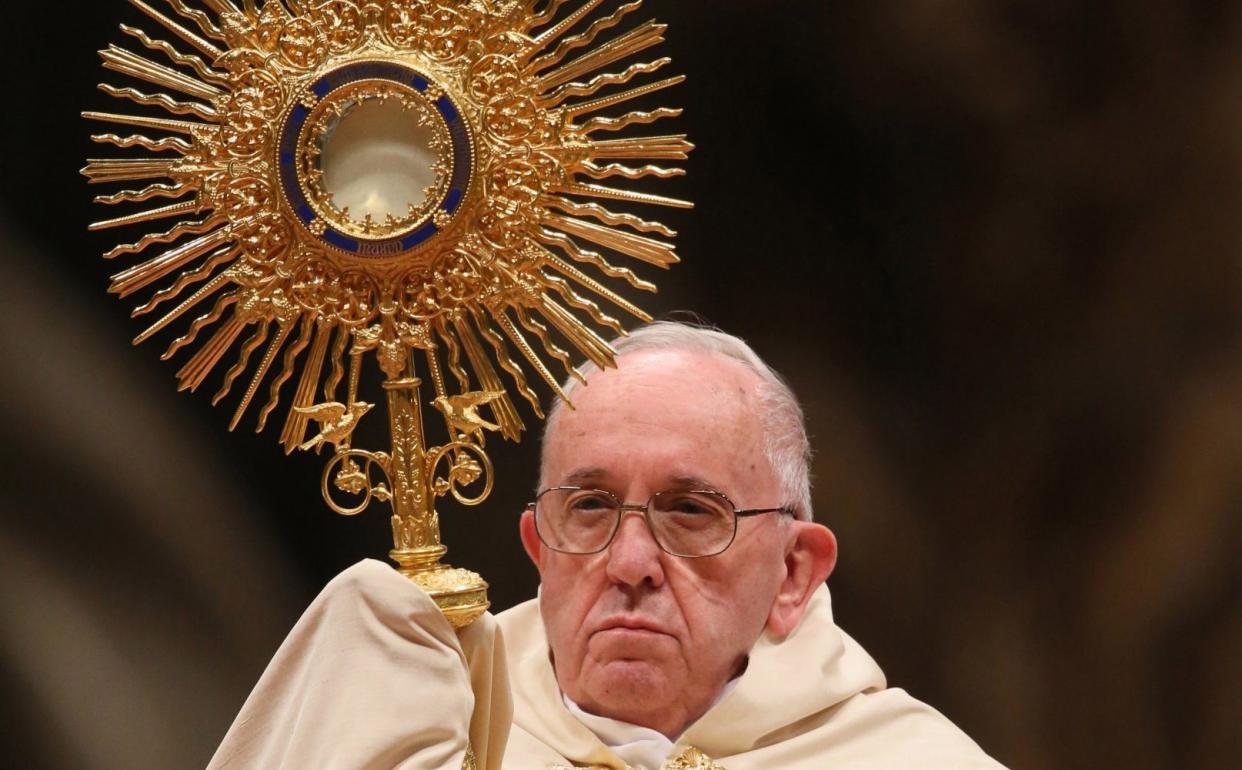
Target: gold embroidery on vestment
(690, 759)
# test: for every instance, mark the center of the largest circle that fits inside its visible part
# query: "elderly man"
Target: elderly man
(682, 620)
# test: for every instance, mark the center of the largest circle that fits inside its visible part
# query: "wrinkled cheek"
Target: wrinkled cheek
(562, 625)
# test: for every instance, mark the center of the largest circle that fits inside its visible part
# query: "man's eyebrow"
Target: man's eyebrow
(690, 481)
(586, 474)
(595, 474)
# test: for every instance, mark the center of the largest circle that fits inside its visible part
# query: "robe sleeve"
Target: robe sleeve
(372, 676)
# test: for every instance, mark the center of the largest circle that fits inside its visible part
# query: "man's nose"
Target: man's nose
(634, 557)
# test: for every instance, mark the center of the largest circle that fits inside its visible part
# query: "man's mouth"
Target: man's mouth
(635, 625)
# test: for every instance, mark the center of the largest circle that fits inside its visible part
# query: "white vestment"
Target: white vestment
(815, 700)
(373, 677)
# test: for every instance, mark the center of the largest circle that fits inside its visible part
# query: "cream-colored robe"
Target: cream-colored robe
(373, 677)
(815, 701)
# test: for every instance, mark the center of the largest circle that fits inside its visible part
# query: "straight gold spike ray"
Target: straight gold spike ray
(452, 355)
(555, 351)
(200, 365)
(590, 283)
(186, 35)
(190, 277)
(505, 360)
(168, 236)
(437, 378)
(641, 247)
(584, 39)
(519, 341)
(243, 360)
(355, 376)
(204, 72)
(506, 413)
(630, 196)
(212, 286)
(142, 121)
(333, 381)
(296, 423)
(199, 18)
(129, 63)
(282, 334)
(637, 39)
(221, 7)
(594, 347)
(129, 281)
(585, 256)
(612, 100)
(127, 170)
(163, 212)
(288, 366)
(552, 33)
(673, 147)
(222, 304)
(549, 12)
(579, 302)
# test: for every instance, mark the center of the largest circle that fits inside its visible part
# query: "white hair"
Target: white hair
(785, 442)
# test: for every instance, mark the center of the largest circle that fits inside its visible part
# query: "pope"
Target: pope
(682, 621)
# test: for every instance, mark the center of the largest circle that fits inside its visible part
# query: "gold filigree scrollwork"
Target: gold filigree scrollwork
(349, 470)
(689, 759)
(507, 225)
(468, 465)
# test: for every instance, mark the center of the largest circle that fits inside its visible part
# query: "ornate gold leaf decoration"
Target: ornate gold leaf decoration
(692, 759)
(501, 238)
(689, 759)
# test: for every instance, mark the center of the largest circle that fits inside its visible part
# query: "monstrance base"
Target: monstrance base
(459, 593)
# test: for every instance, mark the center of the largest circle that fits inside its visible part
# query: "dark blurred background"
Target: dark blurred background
(995, 245)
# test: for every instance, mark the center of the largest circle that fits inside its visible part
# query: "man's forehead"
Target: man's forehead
(661, 390)
(663, 387)
(706, 372)
(668, 420)
(693, 412)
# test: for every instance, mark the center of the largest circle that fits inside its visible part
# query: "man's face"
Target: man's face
(637, 634)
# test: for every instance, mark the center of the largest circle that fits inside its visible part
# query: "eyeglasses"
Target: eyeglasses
(690, 524)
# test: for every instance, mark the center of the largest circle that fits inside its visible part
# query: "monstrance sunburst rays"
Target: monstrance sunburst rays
(481, 220)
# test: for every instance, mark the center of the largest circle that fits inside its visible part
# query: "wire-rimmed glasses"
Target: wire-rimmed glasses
(688, 523)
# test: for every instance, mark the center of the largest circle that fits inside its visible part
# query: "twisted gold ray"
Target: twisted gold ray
(200, 67)
(467, 250)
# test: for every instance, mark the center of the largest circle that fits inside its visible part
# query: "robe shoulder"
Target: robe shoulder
(813, 700)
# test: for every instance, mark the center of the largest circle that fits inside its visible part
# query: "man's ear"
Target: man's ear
(809, 558)
(530, 538)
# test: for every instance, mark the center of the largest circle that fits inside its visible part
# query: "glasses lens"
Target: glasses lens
(576, 520)
(693, 523)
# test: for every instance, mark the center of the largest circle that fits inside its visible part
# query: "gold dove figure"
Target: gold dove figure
(462, 411)
(307, 276)
(336, 422)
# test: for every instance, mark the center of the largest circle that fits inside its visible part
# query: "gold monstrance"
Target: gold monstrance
(413, 179)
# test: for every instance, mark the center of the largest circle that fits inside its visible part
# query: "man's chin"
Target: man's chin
(629, 686)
